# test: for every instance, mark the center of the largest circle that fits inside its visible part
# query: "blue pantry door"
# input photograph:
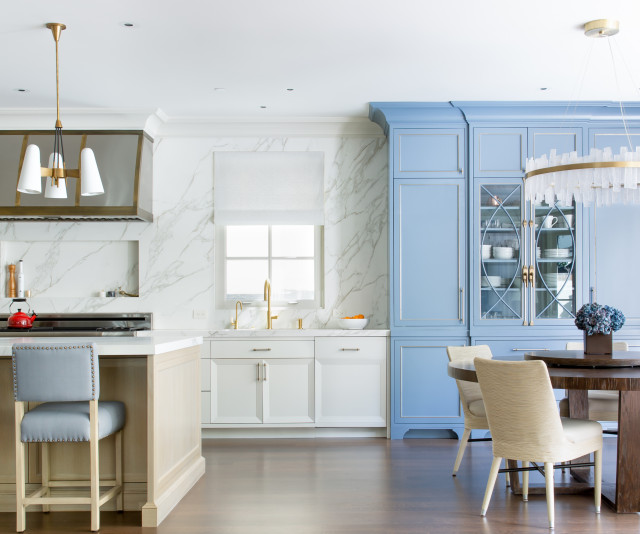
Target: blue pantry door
(429, 253)
(615, 255)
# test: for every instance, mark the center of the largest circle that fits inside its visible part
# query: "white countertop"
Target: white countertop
(280, 333)
(154, 343)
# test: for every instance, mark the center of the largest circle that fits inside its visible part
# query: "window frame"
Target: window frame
(220, 271)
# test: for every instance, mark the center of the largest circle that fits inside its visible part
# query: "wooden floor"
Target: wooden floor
(366, 486)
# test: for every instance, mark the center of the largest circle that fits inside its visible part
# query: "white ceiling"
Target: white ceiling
(337, 55)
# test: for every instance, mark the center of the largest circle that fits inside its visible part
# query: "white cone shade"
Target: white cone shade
(90, 176)
(30, 176)
(51, 191)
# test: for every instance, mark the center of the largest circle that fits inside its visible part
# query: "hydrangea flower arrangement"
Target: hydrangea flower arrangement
(597, 319)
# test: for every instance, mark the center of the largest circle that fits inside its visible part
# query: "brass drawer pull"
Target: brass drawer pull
(260, 350)
(349, 349)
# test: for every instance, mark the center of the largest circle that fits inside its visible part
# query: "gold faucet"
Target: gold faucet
(267, 297)
(235, 323)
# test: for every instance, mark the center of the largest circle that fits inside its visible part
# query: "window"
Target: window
(288, 255)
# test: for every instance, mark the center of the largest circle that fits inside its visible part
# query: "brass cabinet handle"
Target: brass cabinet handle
(353, 349)
(461, 305)
(260, 350)
(258, 373)
(531, 275)
(265, 372)
(525, 275)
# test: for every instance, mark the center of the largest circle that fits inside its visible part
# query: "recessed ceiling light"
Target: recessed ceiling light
(290, 89)
(128, 24)
(20, 90)
(263, 107)
(219, 89)
(544, 88)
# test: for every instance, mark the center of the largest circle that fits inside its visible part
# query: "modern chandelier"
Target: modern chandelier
(56, 173)
(601, 177)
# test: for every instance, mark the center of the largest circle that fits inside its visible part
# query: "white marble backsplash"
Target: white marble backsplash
(176, 268)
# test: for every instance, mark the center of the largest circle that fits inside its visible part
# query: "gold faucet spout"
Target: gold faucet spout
(267, 298)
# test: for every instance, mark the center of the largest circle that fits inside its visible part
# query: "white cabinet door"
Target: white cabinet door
(236, 391)
(288, 390)
(351, 382)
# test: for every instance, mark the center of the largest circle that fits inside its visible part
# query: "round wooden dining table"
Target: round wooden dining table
(578, 373)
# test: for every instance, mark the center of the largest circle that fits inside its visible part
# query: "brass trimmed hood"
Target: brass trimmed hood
(125, 160)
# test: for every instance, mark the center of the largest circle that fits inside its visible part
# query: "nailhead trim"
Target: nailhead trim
(47, 347)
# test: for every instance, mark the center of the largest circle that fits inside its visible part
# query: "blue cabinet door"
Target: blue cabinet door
(615, 256)
(423, 396)
(429, 152)
(429, 260)
(543, 140)
(499, 152)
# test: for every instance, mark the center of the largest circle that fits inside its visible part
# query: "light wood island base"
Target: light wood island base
(162, 450)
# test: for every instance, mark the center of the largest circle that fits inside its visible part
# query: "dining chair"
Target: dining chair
(65, 378)
(475, 417)
(525, 425)
(603, 405)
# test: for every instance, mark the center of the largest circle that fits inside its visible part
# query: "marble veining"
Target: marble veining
(176, 267)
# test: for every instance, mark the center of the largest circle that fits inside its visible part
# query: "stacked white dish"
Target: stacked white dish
(492, 281)
(486, 252)
(557, 280)
(503, 253)
(556, 253)
(538, 252)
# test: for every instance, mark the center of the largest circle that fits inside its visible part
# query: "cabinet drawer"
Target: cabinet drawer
(262, 348)
(336, 348)
(517, 347)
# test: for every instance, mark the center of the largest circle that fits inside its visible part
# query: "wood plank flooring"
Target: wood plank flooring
(364, 486)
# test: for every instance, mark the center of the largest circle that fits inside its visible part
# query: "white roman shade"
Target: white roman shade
(268, 188)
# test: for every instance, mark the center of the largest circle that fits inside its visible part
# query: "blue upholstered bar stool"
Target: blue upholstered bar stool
(65, 378)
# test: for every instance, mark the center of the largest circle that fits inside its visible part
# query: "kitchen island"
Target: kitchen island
(158, 378)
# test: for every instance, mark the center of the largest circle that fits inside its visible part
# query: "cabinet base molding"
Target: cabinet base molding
(262, 433)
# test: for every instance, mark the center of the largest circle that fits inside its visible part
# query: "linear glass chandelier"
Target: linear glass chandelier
(601, 177)
(56, 173)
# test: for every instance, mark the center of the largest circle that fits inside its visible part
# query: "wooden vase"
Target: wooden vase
(598, 343)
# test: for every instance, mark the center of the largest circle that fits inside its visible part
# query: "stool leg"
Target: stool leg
(461, 448)
(21, 516)
(44, 453)
(95, 466)
(525, 482)
(119, 472)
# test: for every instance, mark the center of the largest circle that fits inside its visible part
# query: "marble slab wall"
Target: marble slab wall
(176, 252)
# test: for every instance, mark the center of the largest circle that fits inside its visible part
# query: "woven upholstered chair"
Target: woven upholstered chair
(65, 379)
(525, 425)
(475, 417)
(603, 405)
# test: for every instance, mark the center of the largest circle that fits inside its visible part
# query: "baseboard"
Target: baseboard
(253, 433)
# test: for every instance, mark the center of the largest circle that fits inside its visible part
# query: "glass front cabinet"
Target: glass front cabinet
(526, 258)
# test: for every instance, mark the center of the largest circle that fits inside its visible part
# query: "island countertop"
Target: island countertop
(153, 343)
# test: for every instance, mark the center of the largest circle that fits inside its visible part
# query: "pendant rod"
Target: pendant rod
(56, 29)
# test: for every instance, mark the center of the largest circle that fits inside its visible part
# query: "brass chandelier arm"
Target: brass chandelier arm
(577, 166)
(46, 172)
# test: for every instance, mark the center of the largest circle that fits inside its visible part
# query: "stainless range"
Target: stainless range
(82, 324)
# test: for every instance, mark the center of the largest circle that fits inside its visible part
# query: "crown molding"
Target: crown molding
(157, 123)
(273, 126)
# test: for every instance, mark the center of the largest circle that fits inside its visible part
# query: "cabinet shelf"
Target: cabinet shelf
(495, 260)
(494, 208)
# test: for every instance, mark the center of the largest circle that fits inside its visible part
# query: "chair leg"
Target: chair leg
(95, 466)
(548, 477)
(493, 474)
(525, 482)
(21, 516)
(44, 453)
(597, 479)
(119, 472)
(461, 448)
(507, 477)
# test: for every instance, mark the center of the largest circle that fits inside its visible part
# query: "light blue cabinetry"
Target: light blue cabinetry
(429, 254)
(499, 152)
(429, 152)
(615, 255)
(472, 262)
(423, 397)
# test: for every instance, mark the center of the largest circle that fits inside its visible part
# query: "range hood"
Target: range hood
(124, 160)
